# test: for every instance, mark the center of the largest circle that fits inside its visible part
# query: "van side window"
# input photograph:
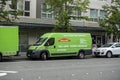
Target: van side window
(50, 42)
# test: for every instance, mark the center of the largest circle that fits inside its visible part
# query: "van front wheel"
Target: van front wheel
(81, 55)
(43, 56)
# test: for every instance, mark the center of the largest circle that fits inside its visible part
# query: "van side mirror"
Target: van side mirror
(47, 44)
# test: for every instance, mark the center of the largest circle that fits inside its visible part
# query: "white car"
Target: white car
(108, 50)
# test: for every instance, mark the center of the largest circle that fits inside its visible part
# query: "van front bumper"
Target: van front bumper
(33, 54)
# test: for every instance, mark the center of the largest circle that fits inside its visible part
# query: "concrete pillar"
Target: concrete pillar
(110, 38)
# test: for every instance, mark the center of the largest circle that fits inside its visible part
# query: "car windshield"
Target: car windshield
(39, 42)
(107, 45)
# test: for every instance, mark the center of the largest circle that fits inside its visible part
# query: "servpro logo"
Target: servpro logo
(64, 40)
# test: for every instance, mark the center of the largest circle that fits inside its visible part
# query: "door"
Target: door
(23, 42)
(50, 46)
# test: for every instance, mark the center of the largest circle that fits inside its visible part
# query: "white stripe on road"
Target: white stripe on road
(8, 71)
(3, 74)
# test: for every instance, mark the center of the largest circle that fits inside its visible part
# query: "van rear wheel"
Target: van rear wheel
(43, 56)
(81, 55)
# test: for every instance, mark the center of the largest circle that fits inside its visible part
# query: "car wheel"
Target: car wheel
(0, 57)
(109, 54)
(81, 55)
(43, 56)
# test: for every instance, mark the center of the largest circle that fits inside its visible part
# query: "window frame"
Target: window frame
(46, 13)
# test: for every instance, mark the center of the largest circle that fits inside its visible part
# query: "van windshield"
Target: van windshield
(39, 42)
(107, 45)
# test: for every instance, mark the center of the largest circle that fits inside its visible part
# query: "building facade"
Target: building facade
(34, 21)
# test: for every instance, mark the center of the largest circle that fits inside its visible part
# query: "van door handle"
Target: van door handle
(54, 46)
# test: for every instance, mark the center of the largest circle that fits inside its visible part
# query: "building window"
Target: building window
(102, 0)
(102, 14)
(13, 4)
(94, 15)
(26, 8)
(45, 13)
(27, 5)
(76, 14)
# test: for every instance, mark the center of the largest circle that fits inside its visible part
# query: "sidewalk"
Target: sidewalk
(22, 55)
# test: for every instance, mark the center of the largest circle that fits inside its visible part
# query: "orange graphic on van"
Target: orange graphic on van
(64, 40)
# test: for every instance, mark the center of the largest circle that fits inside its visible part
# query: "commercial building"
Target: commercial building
(35, 21)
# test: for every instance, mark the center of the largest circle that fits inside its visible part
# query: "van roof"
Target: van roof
(63, 33)
(49, 34)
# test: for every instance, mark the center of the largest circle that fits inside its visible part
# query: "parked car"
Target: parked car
(109, 50)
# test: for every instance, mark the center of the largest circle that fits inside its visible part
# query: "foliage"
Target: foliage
(112, 21)
(63, 10)
(8, 13)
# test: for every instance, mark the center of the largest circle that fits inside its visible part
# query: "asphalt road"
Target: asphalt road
(61, 69)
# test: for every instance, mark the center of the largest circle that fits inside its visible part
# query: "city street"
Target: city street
(61, 69)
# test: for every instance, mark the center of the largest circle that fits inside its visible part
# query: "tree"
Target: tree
(8, 12)
(112, 21)
(63, 10)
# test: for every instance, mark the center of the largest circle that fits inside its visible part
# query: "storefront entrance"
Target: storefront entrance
(23, 42)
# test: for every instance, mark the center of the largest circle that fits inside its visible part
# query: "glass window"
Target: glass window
(107, 45)
(13, 4)
(50, 41)
(117, 45)
(102, 0)
(27, 5)
(102, 14)
(26, 8)
(45, 13)
(40, 41)
(94, 14)
(27, 13)
(50, 15)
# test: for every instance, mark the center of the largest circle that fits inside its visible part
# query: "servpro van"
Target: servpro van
(8, 41)
(61, 44)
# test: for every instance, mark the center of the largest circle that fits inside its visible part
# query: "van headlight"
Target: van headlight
(38, 47)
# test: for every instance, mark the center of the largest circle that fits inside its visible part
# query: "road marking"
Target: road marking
(113, 71)
(101, 72)
(73, 74)
(8, 71)
(3, 74)
(22, 79)
(39, 77)
(87, 73)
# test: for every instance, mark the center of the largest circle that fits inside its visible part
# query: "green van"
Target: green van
(9, 41)
(61, 44)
